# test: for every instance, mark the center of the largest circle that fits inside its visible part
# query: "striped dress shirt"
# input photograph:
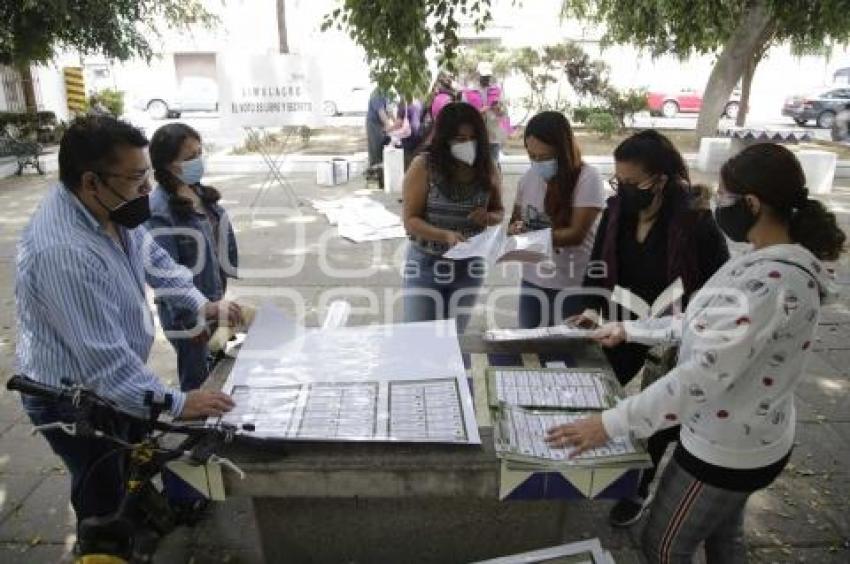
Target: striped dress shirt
(81, 308)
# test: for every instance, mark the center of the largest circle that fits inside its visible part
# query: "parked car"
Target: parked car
(195, 94)
(686, 101)
(820, 107)
(348, 101)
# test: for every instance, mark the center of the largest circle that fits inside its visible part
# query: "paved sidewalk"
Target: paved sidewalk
(803, 517)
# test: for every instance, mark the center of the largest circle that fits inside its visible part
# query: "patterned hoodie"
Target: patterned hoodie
(745, 340)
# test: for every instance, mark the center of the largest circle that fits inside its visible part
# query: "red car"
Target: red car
(686, 101)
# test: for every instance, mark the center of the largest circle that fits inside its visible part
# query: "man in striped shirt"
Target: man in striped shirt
(82, 267)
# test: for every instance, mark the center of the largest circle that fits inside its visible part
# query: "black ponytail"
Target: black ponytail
(774, 174)
(815, 227)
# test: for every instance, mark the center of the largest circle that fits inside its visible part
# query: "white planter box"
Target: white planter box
(819, 167)
(713, 152)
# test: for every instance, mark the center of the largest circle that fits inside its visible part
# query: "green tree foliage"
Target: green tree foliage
(736, 29)
(540, 72)
(468, 57)
(397, 34)
(623, 104)
(683, 27)
(554, 66)
(112, 100)
(31, 30)
(602, 123)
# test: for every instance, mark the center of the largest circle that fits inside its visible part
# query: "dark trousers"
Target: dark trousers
(97, 466)
(193, 363)
(626, 360)
(376, 138)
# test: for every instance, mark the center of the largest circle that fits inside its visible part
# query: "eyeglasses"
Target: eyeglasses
(141, 177)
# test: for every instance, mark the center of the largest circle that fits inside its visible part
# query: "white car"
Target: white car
(349, 101)
(195, 94)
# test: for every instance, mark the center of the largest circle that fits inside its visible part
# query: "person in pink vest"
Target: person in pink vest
(497, 120)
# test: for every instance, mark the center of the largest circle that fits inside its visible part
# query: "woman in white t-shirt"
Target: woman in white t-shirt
(560, 192)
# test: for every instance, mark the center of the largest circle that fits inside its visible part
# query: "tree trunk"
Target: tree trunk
(282, 39)
(746, 86)
(28, 86)
(747, 79)
(748, 38)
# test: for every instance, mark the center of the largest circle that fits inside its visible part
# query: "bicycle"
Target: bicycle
(130, 534)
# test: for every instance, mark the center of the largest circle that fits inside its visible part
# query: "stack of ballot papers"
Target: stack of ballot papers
(557, 332)
(520, 439)
(552, 388)
(361, 219)
(496, 246)
(526, 403)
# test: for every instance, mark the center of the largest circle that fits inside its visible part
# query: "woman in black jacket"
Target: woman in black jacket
(657, 228)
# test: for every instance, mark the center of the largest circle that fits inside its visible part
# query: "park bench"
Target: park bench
(27, 153)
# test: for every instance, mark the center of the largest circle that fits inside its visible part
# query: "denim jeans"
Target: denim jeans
(97, 466)
(193, 363)
(537, 305)
(440, 288)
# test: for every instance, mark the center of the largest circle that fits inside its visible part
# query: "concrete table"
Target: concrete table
(368, 502)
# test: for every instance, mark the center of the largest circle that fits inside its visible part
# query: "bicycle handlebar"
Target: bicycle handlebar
(28, 386)
(31, 387)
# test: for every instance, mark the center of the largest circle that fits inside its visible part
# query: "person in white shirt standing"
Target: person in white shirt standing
(745, 338)
(563, 193)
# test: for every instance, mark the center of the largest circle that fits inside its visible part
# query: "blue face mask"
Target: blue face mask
(545, 169)
(193, 171)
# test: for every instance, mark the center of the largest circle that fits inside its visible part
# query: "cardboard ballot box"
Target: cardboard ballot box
(333, 172)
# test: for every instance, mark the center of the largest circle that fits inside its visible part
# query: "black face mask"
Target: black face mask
(131, 213)
(633, 198)
(735, 220)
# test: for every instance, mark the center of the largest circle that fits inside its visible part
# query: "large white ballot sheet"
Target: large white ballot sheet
(403, 382)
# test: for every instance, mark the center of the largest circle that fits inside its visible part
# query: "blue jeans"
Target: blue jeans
(440, 288)
(542, 307)
(193, 363)
(96, 465)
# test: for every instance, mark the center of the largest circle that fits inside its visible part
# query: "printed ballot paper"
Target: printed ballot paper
(552, 388)
(341, 383)
(556, 332)
(496, 246)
